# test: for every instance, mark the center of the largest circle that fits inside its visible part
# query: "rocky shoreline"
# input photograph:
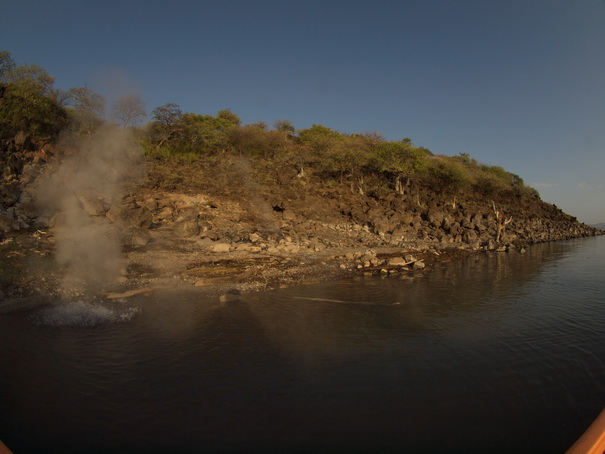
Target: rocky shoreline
(213, 237)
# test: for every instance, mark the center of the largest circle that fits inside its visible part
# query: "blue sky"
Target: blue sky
(516, 83)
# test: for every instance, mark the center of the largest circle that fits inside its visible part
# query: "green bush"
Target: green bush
(448, 175)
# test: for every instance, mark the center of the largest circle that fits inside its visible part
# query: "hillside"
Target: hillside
(238, 223)
(194, 199)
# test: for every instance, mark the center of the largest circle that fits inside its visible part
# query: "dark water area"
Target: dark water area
(500, 352)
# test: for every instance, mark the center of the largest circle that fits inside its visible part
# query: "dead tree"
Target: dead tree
(501, 222)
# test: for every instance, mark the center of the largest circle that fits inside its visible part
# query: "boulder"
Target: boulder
(418, 265)
(7, 223)
(397, 261)
(435, 217)
(136, 237)
(94, 207)
(221, 247)
(187, 228)
(139, 217)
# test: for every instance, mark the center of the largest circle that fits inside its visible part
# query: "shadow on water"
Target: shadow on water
(495, 353)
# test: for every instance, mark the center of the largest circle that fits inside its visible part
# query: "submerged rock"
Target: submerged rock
(231, 295)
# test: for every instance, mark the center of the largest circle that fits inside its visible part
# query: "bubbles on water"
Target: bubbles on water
(84, 314)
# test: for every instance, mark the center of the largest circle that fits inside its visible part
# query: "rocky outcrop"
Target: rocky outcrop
(285, 220)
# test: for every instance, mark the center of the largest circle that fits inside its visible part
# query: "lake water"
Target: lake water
(500, 352)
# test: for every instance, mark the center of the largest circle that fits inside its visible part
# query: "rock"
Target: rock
(289, 216)
(187, 228)
(470, 236)
(231, 295)
(367, 257)
(397, 261)
(151, 204)
(94, 207)
(9, 193)
(399, 231)
(418, 265)
(139, 217)
(6, 222)
(221, 247)
(136, 237)
(435, 217)
(22, 140)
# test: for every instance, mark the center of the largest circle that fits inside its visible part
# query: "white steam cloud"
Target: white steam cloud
(91, 179)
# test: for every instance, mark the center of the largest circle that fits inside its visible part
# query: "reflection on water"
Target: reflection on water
(496, 353)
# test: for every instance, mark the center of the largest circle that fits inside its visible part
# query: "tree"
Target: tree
(401, 160)
(6, 64)
(226, 114)
(165, 126)
(324, 149)
(448, 175)
(87, 108)
(27, 101)
(30, 78)
(173, 131)
(285, 126)
(129, 110)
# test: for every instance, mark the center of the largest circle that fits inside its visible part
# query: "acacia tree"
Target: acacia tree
(173, 131)
(285, 126)
(165, 125)
(129, 110)
(401, 160)
(324, 146)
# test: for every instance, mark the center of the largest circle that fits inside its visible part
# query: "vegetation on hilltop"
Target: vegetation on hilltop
(362, 162)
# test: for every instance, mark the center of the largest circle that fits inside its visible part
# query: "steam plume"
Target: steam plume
(92, 177)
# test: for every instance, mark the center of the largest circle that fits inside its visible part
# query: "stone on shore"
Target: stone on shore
(221, 247)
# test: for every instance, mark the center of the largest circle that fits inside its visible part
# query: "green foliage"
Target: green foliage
(400, 160)
(321, 138)
(27, 101)
(6, 64)
(447, 175)
(285, 126)
(489, 184)
(466, 159)
(167, 114)
(30, 79)
(86, 109)
(174, 132)
(230, 117)
(256, 140)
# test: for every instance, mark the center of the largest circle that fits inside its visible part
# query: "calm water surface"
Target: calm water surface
(496, 353)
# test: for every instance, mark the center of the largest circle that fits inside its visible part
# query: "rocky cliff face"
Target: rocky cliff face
(284, 214)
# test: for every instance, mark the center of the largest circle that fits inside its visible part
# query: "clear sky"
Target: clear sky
(515, 83)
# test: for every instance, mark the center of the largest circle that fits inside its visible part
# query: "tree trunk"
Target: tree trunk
(398, 185)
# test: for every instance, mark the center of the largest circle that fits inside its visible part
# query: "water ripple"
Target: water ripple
(84, 314)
